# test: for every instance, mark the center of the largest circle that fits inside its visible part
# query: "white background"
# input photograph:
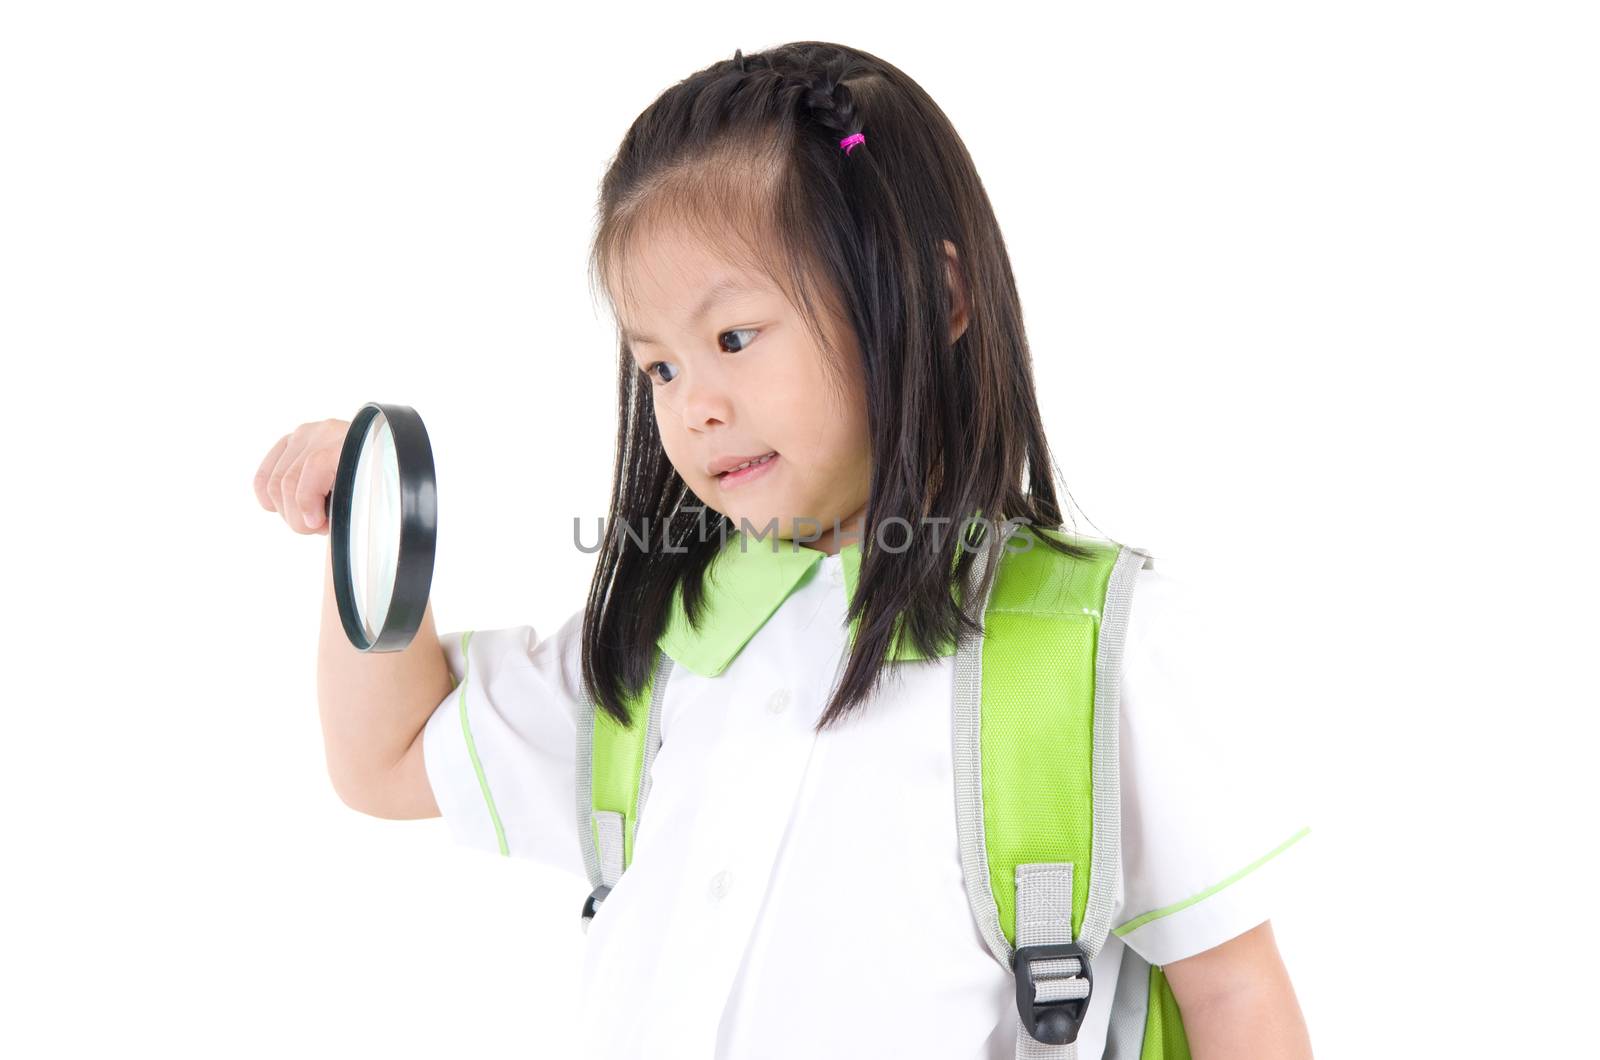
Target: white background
(1311, 294)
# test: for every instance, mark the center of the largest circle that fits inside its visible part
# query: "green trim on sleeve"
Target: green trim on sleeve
(1156, 914)
(472, 748)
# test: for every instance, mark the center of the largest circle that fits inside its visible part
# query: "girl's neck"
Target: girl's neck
(849, 533)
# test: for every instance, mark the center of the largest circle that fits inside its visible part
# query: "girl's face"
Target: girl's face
(737, 375)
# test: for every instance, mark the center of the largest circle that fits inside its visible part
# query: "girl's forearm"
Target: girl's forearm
(373, 704)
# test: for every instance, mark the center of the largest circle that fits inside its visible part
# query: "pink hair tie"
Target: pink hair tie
(849, 142)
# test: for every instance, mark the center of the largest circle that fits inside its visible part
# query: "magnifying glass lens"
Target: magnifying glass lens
(375, 526)
(382, 518)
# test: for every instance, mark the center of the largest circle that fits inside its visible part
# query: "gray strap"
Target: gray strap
(604, 864)
(652, 737)
(609, 825)
(583, 788)
(1044, 915)
(1129, 1008)
(968, 762)
(1105, 870)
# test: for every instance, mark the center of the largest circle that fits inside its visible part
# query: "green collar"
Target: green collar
(745, 584)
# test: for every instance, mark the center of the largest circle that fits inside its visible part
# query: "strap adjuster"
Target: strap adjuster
(1051, 1022)
(591, 904)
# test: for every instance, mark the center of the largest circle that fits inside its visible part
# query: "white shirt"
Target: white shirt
(795, 894)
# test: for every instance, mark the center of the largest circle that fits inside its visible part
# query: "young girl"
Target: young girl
(820, 336)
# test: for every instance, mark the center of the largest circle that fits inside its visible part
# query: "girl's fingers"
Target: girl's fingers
(297, 474)
(291, 488)
(286, 460)
(293, 513)
(264, 473)
(316, 479)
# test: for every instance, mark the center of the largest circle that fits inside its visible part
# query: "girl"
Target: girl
(819, 337)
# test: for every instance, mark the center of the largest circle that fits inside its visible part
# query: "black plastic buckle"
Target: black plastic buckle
(591, 904)
(1051, 1022)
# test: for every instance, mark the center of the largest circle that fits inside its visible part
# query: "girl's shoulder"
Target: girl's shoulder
(1212, 803)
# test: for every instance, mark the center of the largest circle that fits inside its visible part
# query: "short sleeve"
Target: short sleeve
(500, 751)
(1210, 828)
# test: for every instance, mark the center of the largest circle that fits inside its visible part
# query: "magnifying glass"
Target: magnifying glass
(382, 519)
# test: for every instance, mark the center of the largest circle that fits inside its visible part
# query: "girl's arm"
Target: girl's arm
(374, 706)
(1237, 1000)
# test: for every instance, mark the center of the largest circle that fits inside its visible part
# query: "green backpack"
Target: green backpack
(1038, 792)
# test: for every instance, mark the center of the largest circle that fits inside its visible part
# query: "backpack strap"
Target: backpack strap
(1037, 779)
(613, 780)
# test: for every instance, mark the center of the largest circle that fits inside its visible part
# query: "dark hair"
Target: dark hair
(746, 153)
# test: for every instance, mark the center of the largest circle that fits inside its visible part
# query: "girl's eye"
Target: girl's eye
(742, 345)
(650, 369)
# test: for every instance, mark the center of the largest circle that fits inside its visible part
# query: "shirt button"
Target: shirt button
(779, 701)
(718, 890)
(835, 574)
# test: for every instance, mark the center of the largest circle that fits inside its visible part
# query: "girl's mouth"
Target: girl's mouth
(749, 472)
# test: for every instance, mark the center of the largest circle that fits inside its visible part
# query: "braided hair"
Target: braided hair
(814, 77)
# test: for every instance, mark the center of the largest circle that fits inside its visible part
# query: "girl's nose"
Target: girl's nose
(704, 401)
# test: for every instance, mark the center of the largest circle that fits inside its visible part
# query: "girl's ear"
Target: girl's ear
(958, 292)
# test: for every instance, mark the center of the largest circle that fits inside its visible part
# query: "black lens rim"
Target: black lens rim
(419, 511)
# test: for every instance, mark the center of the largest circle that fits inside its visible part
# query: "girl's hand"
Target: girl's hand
(297, 474)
